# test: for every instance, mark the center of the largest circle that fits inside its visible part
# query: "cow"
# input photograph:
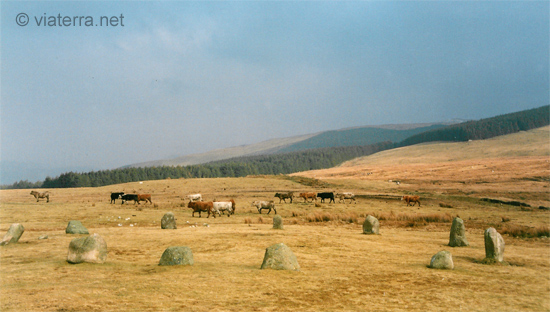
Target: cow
(144, 197)
(411, 199)
(195, 197)
(219, 207)
(326, 195)
(37, 195)
(346, 195)
(127, 197)
(307, 196)
(115, 196)
(201, 206)
(284, 196)
(263, 204)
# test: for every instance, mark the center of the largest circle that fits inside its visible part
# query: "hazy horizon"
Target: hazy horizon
(167, 79)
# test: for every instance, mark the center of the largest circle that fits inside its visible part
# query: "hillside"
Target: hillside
(503, 167)
(356, 136)
(224, 153)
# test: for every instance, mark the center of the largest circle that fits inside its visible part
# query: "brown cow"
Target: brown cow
(144, 197)
(284, 196)
(411, 199)
(201, 206)
(307, 196)
(38, 195)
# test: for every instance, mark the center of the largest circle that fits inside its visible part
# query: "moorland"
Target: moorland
(502, 182)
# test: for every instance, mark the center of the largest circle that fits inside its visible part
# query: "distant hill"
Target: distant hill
(486, 128)
(258, 161)
(357, 136)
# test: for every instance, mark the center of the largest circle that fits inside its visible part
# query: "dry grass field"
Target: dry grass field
(341, 269)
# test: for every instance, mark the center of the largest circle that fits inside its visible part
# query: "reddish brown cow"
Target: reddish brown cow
(411, 199)
(307, 196)
(144, 197)
(201, 206)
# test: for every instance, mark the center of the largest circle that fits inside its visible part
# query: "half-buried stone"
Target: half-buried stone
(280, 257)
(13, 235)
(178, 255)
(76, 227)
(168, 221)
(442, 260)
(457, 237)
(91, 249)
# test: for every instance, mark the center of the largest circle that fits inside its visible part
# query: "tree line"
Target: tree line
(235, 167)
(290, 162)
(485, 128)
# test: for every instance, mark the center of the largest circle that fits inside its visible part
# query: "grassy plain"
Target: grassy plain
(341, 269)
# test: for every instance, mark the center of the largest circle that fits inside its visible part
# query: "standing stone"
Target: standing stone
(168, 221)
(13, 235)
(280, 257)
(442, 260)
(371, 225)
(494, 245)
(458, 234)
(76, 227)
(180, 255)
(92, 249)
(278, 223)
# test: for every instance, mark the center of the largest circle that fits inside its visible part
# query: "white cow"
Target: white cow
(263, 204)
(195, 197)
(220, 207)
(346, 195)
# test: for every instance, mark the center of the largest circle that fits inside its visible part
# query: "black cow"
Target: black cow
(284, 196)
(126, 197)
(115, 196)
(326, 195)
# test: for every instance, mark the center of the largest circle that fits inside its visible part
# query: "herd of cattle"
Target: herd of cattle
(218, 207)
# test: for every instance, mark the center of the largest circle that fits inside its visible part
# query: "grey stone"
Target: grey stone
(457, 237)
(442, 260)
(280, 257)
(91, 249)
(494, 245)
(371, 225)
(278, 222)
(168, 221)
(179, 255)
(13, 235)
(76, 227)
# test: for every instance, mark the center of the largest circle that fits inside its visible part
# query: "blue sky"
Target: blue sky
(183, 77)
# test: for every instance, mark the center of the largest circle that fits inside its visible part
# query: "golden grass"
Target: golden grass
(510, 167)
(341, 269)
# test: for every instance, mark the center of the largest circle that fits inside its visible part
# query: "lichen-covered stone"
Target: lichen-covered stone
(371, 225)
(494, 245)
(179, 255)
(280, 257)
(168, 221)
(457, 237)
(76, 227)
(278, 222)
(92, 249)
(13, 235)
(442, 260)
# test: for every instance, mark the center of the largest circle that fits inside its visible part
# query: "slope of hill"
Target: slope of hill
(509, 167)
(357, 136)
(224, 153)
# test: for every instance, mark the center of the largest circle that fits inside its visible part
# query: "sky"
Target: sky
(171, 78)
